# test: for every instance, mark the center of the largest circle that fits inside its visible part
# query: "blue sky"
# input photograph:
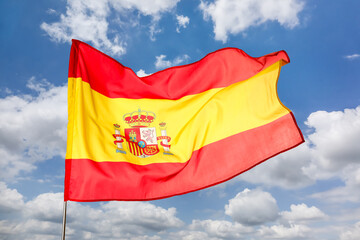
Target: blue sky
(311, 192)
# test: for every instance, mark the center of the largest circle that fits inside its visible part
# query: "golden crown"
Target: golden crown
(139, 118)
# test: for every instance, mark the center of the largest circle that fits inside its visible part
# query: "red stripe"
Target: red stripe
(218, 69)
(86, 180)
(137, 150)
(132, 148)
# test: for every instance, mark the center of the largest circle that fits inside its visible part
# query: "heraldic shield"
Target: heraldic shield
(141, 138)
(142, 141)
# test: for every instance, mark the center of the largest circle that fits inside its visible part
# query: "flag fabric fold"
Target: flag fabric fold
(176, 131)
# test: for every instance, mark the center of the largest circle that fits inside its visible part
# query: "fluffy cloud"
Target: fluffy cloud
(190, 235)
(301, 213)
(252, 207)
(37, 219)
(10, 199)
(293, 224)
(336, 152)
(151, 8)
(258, 209)
(220, 229)
(41, 218)
(87, 20)
(142, 214)
(335, 138)
(235, 16)
(146, 8)
(32, 128)
(283, 232)
(142, 73)
(182, 22)
(132, 220)
(45, 207)
(351, 233)
(162, 63)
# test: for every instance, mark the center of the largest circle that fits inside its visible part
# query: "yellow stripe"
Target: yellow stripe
(192, 121)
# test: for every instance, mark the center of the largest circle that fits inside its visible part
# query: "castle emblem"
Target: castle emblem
(141, 137)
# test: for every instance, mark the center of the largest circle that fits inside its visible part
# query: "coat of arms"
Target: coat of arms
(141, 138)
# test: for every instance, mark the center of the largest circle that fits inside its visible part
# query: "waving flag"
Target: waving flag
(178, 130)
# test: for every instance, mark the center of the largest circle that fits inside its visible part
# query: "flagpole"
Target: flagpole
(64, 220)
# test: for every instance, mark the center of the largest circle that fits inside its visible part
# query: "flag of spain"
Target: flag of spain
(178, 130)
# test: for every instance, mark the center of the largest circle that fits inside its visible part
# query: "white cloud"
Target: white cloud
(190, 235)
(335, 138)
(154, 29)
(41, 218)
(142, 73)
(145, 7)
(220, 229)
(5, 91)
(292, 224)
(252, 207)
(283, 232)
(45, 207)
(51, 11)
(301, 213)
(161, 63)
(182, 22)
(236, 16)
(88, 20)
(10, 199)
(85, 20)
(351, 233)
(348, 193)
(335, 149)
(38, 85)
(352, 56)
(32, 128)
(142, 214)
(336, 152)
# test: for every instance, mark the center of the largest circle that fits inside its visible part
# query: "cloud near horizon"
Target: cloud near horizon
(41, 217)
